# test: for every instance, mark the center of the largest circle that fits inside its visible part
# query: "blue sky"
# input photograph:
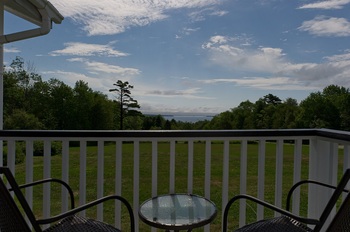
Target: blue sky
(194, 56)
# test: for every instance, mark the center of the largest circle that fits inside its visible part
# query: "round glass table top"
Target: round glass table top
(177, 211)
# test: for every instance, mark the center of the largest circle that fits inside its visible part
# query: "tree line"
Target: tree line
(31, 103)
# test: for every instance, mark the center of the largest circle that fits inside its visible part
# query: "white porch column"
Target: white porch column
(2, 9)
(322, 167)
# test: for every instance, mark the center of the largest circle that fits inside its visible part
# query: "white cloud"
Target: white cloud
(99, 67)
(323, 26)
(11, 50)
(114, 69)
(200, 15)
(70, 78)
(329, 4)
(224, 52)
(264, 83)
(275, 70)
(342, 57)
(219, 13)
(84, 49)
(106, 17)
(186, 93)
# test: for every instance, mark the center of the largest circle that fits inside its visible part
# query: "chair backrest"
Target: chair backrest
(11, 218)
(344, 209)
(341, 221)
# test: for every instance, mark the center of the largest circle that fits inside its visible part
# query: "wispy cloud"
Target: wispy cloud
(11, 50)
(106, 17)
(323, 26)
(186, 31)
(264, 83)
(70, 78)
(84, 49)
(201, 14)
(326, 5)
(100, 67)
(186, 93)
(219, 13)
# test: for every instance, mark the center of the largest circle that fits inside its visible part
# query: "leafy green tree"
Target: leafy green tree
(18, 82)
(222, 121)
(345, 113)
(272, 99)
(83, 102)
(317, 111)
(167, 125)
(133, 123)
(13, 97)
(62, 97)
(340, 97)
(21, 120)
(102, 112)
(26, 78)
(126, 103)
(286, 114)
(243, 115)
(201, 125)
(264, 110)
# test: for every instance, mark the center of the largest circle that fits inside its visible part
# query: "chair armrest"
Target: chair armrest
(298, 184)
(89, 205)
(267, 205)
(69, 189)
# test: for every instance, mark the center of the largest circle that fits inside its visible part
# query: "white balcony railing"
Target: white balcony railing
(323, 162)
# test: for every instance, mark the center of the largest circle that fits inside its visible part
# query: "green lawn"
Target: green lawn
(163, 174)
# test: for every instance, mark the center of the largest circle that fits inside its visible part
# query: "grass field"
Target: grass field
(163, 175)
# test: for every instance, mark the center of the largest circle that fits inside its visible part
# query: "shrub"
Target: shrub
(20, 154)
(56, 148)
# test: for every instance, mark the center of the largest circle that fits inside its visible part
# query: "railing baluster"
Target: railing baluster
(313, 164)
(118, 180)
(136, 180)
(47, 186)
(11, 154)
(190, 167)
(297, 175)
(29, 172)
(207, 174)
(154, 171)
(172, 167)
(261, 177)
(346, 157)
(82, 177)
(154, 168)
(279, 174)
(243, 181)
(207, 168)
(100, 177)
(226, 172)
(65, 175)
(346, 163)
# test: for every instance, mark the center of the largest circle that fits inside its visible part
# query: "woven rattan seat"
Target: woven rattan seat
(12, 218)
(282, 223)
(289, 222)
(77, 223)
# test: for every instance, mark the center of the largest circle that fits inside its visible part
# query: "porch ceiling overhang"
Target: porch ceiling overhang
(30, 10)
(39, 12)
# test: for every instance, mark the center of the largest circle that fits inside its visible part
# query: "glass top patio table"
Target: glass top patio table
(177, 211)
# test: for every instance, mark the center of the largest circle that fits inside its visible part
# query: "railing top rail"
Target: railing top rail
(270, 133)
(158, 133)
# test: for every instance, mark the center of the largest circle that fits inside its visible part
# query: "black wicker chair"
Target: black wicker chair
(293, 223)
(12, 210)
